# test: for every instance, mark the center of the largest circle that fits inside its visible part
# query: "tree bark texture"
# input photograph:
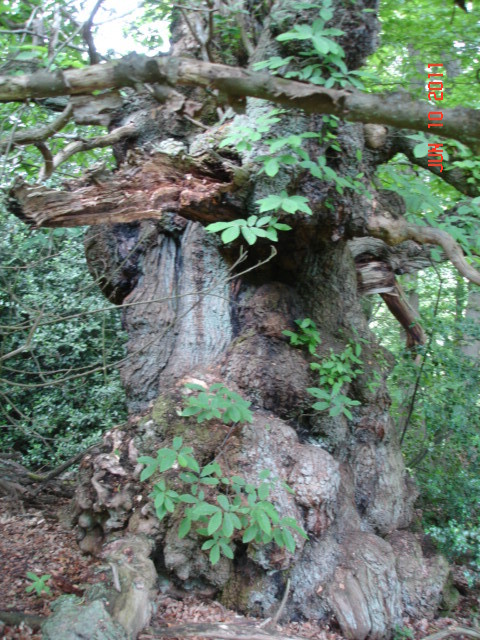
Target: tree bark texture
(191, 317)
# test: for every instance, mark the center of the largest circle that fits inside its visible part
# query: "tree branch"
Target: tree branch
(87, 34)
(395, 229)
(390, 109)
(47, 170)
(98, 142)
(38, 134)
(222, 631)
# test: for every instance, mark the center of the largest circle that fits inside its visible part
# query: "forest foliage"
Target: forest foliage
(61, 389)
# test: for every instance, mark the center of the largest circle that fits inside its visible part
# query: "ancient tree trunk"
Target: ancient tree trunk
(191, 316)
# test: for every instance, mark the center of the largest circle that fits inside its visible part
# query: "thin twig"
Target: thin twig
(116, 579)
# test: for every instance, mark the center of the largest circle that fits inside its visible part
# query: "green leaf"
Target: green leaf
(271, 167)
(190, 411)
(270, 203)
(263, 491)
(231, 234)
(289, 540)
(321, 406)
(182, 460)
(208, 469)
(191, 463)
(249, 235)
(184, 527)
(210, 481)
(226, 550)
(223, 502)
(214, 228)
(263, 521)
(264, 220)
(214, 522)
(228, 527)
(169, 505)
(336, 410)
(159, 500)
(250, 533)
(235, 520)
(168, 459)
(188, 498)
(204, 509)
(215, 554)
(208, 544)
(292, 204)
(272, 235)
(177, 443)
(420, 150)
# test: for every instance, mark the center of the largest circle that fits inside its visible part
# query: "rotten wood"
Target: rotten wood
(393, 109)
(157, 185)
(406, 316)
(376, 275)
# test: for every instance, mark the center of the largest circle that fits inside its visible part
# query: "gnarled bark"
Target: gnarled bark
(190, 315)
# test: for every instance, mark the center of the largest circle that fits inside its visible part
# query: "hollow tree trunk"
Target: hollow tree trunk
(190, 316)
(353, 496)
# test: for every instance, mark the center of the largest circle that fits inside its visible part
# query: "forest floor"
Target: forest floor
(33, 540)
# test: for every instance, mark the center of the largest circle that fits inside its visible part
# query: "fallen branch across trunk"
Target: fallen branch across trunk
(389, 108)
(220, 631)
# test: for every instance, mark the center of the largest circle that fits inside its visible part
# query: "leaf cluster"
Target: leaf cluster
(241, 510)
(38, 583)
(334, 372)
(217, 402)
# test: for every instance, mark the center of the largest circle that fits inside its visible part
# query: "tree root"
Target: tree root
(454, 630)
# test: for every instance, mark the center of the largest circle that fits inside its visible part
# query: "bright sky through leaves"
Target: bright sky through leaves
(114, 32)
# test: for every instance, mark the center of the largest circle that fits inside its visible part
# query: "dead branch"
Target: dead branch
(428, 235)
(406, 316)
(458, 178)
(281, 608)
(133, 193)
(62, 467)
(459, 123)
(220, 631)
